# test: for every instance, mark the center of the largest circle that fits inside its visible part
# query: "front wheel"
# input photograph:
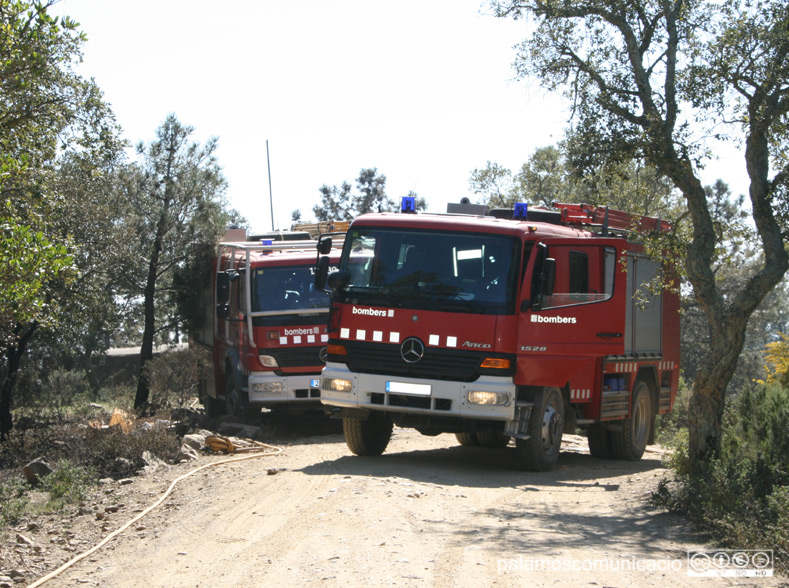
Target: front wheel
(237, 401)
(214, 407)
(540, 451)
(369, 437)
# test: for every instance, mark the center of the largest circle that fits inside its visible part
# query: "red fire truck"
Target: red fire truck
(265, 323)
(496, 328)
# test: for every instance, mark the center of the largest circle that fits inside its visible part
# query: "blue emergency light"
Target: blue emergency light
(266, 242)
(521, 211)
(408, 204)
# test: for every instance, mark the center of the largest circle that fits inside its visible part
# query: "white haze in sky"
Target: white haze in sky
(422, 90)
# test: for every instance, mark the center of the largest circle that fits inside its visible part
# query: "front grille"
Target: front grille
(295, 357)
(437, 364)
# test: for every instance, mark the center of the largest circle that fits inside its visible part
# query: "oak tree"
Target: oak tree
(657, 80)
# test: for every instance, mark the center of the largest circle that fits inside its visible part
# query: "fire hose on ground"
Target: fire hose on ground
(217, 444)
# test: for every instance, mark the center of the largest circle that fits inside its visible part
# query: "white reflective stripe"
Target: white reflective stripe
(299, 339)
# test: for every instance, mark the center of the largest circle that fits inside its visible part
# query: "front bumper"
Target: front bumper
(265, 389)
(416, 396)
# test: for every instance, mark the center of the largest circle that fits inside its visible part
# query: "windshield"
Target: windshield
(286, 288)
(436, 270)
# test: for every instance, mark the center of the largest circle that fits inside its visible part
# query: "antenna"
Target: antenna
(270, 195)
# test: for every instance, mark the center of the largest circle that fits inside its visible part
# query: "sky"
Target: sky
(422, 90)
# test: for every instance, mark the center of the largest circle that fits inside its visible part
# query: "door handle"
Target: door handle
(610, 335)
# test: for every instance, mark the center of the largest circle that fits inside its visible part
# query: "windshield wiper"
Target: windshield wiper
(373, 292)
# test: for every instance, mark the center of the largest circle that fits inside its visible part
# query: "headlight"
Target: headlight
(267, 388)
(494, 398)
(336, 385)
(268, 361)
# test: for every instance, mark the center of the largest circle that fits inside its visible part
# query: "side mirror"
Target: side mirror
(548, 278)
(324, 245)
(321, 271)
(545, 283)
(222, 288)
(339, 279)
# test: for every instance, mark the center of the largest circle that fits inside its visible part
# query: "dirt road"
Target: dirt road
(426, 513)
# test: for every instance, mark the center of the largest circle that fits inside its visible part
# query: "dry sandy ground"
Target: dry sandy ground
(426, 513)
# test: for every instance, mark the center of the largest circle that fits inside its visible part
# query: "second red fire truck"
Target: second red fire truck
(265, 324)
(517, 325)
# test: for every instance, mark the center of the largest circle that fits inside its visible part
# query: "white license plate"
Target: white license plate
(406, 388)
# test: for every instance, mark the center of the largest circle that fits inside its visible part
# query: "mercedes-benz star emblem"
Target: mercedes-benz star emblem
(323, 354)
(412, 350)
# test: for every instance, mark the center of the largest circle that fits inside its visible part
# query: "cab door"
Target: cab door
(572, 311)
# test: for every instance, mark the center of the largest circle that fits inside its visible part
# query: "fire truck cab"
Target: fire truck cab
(265, 326)
(513, 325)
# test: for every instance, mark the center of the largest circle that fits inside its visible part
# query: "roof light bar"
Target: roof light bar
(408, 204)
(521, 211)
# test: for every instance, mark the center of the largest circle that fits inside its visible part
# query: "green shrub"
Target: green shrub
(742, 498)
(67, 484)
(174, 377)
(13, 502)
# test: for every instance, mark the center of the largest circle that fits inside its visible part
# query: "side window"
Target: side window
(583, 275)
(578, 267)
(360, 260)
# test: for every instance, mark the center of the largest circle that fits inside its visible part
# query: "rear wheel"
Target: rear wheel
(369, 437)
(599, 441)
(467, 439)
(540, 451)
(631, 442)
(492, 439)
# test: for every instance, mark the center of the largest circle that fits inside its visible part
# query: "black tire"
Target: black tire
(540, 451)
(599, 440)
(631, 442)
(492, 439)
(467, 439)
(369, 437)
(236, 401)
(214, 407)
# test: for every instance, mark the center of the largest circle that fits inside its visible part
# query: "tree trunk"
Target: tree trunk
(149, 311)
(14, 353)
(707, 403)
(146, 348)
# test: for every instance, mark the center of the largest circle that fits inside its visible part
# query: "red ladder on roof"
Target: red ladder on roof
(602, 216)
